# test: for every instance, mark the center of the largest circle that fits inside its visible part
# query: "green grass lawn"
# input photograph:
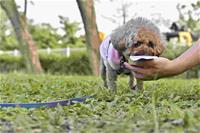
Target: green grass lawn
(166, 106)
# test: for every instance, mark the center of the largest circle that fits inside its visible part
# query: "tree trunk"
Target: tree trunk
(87, 11)
(27, 45)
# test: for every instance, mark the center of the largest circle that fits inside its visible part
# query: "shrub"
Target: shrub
(9, 63)
(76, 64)
(59, 64)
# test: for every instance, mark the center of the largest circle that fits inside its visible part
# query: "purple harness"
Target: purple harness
(110, 54)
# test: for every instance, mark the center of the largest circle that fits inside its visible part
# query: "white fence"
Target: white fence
(65, 51)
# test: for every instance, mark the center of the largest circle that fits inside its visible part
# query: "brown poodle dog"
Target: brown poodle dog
(146, 42)
(137, 37)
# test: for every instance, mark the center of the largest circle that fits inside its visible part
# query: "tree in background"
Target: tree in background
(121, 15)
(27, 45)
(7, 36)
(47, 36)
(44, 34)
(87, 11)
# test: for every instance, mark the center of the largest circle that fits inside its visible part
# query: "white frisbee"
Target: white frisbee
(142, 57)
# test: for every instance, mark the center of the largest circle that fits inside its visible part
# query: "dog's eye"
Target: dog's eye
(128, 45)
(137, 44)
(151, 44)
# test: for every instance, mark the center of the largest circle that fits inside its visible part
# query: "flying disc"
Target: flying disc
(142, 57)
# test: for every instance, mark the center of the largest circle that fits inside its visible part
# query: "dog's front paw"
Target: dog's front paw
(134, 88)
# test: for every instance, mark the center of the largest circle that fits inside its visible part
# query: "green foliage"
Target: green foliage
(76, 64)
(174, 50)
(58, 64)
(70, 30)
(165, 105)
(47, 36)
(193, 21)
(9, 63)
(44, 35)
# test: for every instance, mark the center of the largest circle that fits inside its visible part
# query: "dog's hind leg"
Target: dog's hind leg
(103, 72)
(139, 84)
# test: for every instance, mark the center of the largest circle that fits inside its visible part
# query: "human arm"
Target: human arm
(163, 67)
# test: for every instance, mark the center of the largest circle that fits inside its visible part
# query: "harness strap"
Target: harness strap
(122, 66)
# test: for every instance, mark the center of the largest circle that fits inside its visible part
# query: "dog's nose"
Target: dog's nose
(137, 54)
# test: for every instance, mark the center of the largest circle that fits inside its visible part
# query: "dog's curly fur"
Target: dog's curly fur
(137, 37)
(146, 43)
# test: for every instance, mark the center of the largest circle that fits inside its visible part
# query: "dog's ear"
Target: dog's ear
(159, 49)
(120, 46)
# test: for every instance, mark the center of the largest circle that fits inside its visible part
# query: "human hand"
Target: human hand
(151, 69)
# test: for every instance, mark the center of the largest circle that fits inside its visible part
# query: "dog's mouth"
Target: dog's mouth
(139, 54)
(127, 54)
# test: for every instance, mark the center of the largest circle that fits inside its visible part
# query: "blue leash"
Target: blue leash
(46, 104)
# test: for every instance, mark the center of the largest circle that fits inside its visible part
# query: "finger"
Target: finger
(132, 67)
(140, 70)
(128, 66)
(143, 77)
(145, 63)
(139, 76)
(142, 73)
(146, 76)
